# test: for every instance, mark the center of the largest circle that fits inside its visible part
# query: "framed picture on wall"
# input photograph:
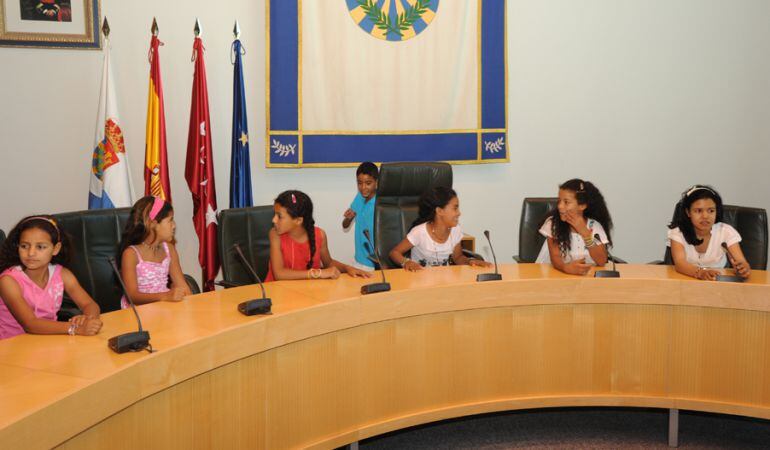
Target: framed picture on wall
(50, 23)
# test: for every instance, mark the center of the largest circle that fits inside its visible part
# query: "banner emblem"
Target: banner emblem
(393, 20)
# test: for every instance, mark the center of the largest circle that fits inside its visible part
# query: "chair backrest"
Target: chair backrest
(249, 228)
(534, 210)
(96, 237)
(2, 237)
(751, 224)
(398, 192)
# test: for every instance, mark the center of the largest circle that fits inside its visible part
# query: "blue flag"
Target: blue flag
(240, 168)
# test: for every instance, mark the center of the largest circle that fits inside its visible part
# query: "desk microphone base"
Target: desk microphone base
(258, 306)
(488, 277)
(375, 287)
(730, 278)
(607, 274)
(130, 342)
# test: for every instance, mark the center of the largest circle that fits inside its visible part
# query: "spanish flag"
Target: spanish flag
(156, 181)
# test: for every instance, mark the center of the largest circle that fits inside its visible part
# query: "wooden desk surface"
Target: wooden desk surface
(68, 385)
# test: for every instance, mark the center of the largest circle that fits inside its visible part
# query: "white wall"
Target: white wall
(644, 97)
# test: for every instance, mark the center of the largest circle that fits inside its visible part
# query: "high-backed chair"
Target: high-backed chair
(2, 237)
(398, 192)
(249, 228)
(95, 237)
(534, 210)
(751, 224)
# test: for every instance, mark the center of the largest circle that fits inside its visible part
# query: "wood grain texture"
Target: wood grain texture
(331, 367)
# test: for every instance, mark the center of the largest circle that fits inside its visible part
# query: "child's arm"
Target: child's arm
(738, 261)
(89, 322)
(397, 256)
(128, 264)
(685, 268)
(598, 252)
(349, 216)
(10, 291)
(175, 272)
(460, 259)
(330, 263)
(577, 267)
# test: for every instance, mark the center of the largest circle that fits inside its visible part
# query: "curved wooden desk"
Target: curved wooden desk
(331, 367)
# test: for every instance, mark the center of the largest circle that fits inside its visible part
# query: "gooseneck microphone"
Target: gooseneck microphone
(606, 273)
(490, 276)
(136, 340)
(729, 278)
(384, 286)
(256, 306)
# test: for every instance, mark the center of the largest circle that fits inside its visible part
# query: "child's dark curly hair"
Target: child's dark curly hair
(9, 251)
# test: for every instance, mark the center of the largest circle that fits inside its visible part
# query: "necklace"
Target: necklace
(154, 248)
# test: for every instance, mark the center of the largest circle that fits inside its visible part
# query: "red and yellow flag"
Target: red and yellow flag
(156, 181)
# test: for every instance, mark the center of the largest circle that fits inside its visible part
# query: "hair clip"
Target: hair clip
(293, 198)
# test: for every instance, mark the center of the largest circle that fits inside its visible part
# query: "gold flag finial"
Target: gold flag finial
(237, 30)
(154, 28)
(197, 28)
(106, 27)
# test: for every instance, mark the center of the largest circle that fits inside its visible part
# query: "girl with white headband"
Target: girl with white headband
(701, 244)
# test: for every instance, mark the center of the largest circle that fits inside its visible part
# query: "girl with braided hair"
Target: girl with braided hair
(298, 248)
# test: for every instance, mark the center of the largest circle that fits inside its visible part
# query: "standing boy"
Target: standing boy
(362, 211)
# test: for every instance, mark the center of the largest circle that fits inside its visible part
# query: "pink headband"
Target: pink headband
(157, 205)
(51, 221)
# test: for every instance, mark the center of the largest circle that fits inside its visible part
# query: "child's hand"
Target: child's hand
(358, 273)
(577, 267)
(78, 320)
(742, 268)
(331, 273)
(411, 266)
(174, 295)
(577, 222)
(89, 328)
(479, 263)
(708, 274)
(349, 214)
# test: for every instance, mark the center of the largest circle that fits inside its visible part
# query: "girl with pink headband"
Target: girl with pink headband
(149, 261)
(33, 279)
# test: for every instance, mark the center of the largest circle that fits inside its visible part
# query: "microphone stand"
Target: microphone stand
(490, 276)
(256, 306)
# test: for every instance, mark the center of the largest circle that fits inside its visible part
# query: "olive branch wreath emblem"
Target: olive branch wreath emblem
(405, 20)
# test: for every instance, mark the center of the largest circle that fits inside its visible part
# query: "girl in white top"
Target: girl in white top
(697, 234)
(434, 239)
(577, 231)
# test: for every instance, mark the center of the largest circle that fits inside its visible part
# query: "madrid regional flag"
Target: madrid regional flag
(110, 181)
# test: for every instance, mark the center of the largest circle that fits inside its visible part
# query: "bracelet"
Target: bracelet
(314, 273)
(405, 260)
(590, 242)
(71, 329)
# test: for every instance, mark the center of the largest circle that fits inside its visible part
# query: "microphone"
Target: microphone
(489, 276)
(606, 273)
(256, 306)
(384, 286)
(136, 340)
(729, 278)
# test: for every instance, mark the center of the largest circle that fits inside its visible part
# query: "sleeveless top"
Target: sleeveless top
(151, 277)
(296, 255)
(45, 302)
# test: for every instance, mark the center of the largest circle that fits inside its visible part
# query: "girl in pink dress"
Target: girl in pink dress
(298, 248)
(149, 262)
(33, 280)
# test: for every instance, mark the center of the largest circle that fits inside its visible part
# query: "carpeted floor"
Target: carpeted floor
(580, 428)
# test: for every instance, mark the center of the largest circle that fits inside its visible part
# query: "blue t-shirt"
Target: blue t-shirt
(364, 221)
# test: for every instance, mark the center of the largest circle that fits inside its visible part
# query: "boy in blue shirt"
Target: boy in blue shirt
(362, 211)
